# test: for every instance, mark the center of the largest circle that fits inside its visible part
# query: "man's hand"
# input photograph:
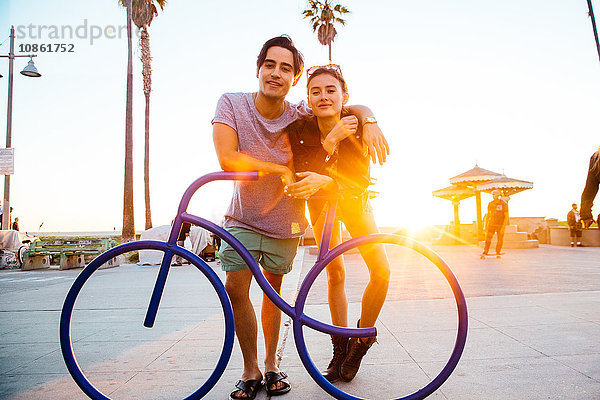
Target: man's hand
(287, 176)
(308, 186)
(374, 144)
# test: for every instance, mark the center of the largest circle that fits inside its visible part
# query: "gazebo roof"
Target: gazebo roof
(505, 184)
(454, 193)
(474, 175)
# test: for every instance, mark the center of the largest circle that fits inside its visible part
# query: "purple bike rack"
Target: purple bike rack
(295, 312)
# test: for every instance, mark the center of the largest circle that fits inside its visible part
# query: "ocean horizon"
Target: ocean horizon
(76, 234)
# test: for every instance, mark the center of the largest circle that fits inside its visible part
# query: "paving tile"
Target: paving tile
(516, 378)
(19, 356)
(169, 385)
(399, 380)
(558, 339)
(32, 332)
(586, 364)
(57, 386)
(523, 316)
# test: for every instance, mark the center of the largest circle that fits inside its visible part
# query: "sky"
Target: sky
(512, 86)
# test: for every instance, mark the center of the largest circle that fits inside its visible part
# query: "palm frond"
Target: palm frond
(161, 3)
(144, 11)
(341, 9)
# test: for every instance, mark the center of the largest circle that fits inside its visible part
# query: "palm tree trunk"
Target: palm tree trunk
(147, 77)
(329, 52)
(147, 165)
(591, 15)
(128, 233)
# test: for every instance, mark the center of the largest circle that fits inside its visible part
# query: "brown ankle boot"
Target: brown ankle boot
(340, 349)
(357, 348)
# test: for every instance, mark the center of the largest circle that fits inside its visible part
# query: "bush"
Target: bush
(133, 257)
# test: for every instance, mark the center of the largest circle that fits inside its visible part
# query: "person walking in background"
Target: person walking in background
(496, 220)
(590, 190)
(574, 222)
(15, 225)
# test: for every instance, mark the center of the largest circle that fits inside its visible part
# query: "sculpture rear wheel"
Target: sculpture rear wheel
(66, 316)
(437, 261)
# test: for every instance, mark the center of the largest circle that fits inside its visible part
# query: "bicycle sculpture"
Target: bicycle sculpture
(296, 312)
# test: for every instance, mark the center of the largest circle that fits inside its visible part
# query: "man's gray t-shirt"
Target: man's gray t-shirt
(261, 205)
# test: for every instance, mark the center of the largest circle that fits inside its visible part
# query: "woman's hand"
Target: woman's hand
(308, 186)
(345, 127)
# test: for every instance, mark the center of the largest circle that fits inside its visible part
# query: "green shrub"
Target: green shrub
(133, 257)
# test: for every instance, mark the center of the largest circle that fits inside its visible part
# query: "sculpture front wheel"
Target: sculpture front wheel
(169, 251)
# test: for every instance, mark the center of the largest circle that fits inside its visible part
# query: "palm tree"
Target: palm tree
(591, 15)
(323, 16)
(128, 233)
(143, 13)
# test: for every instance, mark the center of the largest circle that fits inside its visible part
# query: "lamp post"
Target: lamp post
(30, 71)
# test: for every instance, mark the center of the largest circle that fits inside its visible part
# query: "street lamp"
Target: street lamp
(31, 71)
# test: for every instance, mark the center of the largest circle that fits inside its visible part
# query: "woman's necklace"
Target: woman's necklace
(322, 137)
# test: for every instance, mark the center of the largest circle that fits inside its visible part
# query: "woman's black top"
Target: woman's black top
(591, 187)
(348, 167)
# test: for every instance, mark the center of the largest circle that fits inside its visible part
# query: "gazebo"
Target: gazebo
(455, 194)
(474, 176)
(471, 179)
(507, 186)
(472, 183)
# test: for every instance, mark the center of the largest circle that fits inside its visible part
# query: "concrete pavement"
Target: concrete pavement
(534, 324)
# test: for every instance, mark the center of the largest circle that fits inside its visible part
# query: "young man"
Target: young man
(248, 136)
(574, 223)
(495, 222)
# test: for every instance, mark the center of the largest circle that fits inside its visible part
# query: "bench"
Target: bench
(72, 252)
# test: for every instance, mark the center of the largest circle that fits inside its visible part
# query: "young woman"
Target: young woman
(329, 157)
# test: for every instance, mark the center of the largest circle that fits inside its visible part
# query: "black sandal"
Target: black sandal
(271, 378)
(249, 387)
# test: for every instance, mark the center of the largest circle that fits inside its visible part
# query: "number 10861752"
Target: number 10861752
(47, 48)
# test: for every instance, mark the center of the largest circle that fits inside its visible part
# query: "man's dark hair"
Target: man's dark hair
(286, 42)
